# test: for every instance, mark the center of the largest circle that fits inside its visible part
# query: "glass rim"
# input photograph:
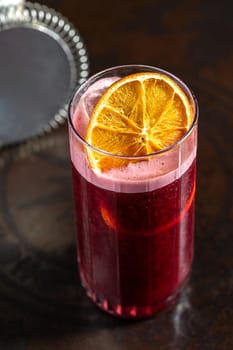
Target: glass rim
(139, 157)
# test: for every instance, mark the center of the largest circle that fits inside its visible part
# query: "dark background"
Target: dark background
(42, 306)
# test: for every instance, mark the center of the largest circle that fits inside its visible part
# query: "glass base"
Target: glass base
(132, 312)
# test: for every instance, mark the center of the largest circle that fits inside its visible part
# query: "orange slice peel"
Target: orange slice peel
(138, 115)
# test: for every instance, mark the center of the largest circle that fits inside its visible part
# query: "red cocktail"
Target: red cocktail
(135, 222)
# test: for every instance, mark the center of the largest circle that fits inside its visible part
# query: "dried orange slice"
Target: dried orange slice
(137, 115)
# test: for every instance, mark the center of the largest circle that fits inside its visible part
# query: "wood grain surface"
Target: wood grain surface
(42, 305)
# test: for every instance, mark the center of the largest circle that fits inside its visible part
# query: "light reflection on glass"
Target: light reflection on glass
(181, 313)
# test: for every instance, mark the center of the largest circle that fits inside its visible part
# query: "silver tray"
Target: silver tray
(42, 59)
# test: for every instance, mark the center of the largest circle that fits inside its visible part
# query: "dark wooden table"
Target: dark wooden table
(42, 306)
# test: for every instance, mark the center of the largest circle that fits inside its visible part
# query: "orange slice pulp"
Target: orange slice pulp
(137, 115)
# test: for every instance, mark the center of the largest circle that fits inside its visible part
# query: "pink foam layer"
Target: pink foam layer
(135, 178)
(141, 176)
